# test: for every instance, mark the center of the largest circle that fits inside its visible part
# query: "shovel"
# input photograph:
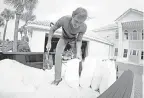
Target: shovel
(46, 63)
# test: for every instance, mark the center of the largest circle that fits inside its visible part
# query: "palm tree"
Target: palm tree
(21, 31)
(1, 22)
(26, 17)
(7, 15)
(1, 25)
(20, 5)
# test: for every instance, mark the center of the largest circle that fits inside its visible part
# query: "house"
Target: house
(126, 33)
(92, 44)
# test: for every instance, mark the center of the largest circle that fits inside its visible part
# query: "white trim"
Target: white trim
(126, 12)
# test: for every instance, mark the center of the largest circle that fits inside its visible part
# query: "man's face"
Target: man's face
(77, 21)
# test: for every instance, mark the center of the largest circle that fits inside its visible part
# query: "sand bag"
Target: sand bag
(108, 75)
(104, 81)
(112, 68)
(97, 76)
(88, 70)
(88, 93)
(64, 67)
(72, 74)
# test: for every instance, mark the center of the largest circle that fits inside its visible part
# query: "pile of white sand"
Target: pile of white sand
(21, 81)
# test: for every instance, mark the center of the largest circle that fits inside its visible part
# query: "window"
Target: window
(137, 52)
(130, 52)
(134, 52)
(116, 52)
(142, 35)
(116, 35)
(125, 53)
(142, 55)
(131, 35)
(125, 34)
(134, 35)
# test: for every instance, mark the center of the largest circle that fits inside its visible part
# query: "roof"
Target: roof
(107, 27)
(129, 10)
(114, 26)
(43, 23)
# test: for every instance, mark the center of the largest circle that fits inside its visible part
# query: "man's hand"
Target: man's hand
(48, 46)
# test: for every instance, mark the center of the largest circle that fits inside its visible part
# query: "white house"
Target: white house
(127, 35)
(93, 45)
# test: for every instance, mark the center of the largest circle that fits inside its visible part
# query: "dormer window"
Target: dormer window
(126, 35)
(142, 35)
(135, 36)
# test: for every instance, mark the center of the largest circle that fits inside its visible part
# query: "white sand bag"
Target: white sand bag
(87, 73)
(72, 74)
(97, 77)
(88, 93)
(108, 75)
(112, 68)
(64, 67)
(104, 79)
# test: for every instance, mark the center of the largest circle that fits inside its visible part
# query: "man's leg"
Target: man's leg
(58, 60)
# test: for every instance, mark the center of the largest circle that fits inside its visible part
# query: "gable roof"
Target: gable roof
(129, 10)
(114, 26)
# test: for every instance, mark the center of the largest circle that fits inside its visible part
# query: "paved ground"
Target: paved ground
(138, 71)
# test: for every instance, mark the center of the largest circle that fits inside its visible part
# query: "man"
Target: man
(73, 28)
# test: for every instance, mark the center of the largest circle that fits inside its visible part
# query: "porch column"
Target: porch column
(120, 41)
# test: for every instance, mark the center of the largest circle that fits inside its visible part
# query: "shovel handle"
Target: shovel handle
(47, 55)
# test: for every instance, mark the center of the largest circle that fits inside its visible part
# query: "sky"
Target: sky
(102, 12)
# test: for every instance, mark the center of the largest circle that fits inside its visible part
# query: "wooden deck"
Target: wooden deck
(138, 74)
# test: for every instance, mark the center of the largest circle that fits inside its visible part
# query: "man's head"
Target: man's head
(79, 16)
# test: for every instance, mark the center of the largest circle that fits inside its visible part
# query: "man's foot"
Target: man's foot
(56, 82)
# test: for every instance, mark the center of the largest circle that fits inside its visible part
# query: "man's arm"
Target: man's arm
(56, 26)
(79, 41)
(79, 44)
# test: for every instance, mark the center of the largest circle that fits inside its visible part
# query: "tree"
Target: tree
(20, 5)
(26, 17)
(7, 15)
(1, 22)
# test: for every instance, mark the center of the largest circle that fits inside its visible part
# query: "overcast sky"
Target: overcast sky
(103, 12)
